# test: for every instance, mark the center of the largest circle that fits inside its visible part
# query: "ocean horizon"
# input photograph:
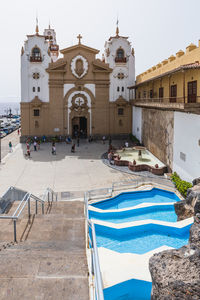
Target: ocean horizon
(6, 106)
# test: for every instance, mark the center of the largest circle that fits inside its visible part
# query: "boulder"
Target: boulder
(176, 273)
(196, 181)
(190, 206)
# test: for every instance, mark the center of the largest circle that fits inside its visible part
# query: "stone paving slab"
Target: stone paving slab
(66, 171)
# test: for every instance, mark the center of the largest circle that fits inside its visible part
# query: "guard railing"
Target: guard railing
(13, 194)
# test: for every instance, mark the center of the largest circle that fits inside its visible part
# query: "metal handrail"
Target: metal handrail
(97, 271)
(95, 257)
(26, 200)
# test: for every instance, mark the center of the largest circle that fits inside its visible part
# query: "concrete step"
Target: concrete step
(50, 261)
(45, 288)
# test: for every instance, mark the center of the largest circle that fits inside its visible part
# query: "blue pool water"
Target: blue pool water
(141, 239)
(133, 289)
(157, 212)
(138, 239)
(125, 200)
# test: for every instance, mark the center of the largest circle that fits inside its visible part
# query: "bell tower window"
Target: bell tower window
(36, 55)
(120, 57)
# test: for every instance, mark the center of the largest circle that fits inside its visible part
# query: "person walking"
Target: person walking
(35, 146)
(78, 141)
(73, 148)
(103, 139)
(10, 146)
(53, 149)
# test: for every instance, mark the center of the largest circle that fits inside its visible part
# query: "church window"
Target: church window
(118, 88)
(36, 112)
(151, 93)
(36, 55)
(33, 89)
(120, 57)
(36, 75)
(120, 123)
(120, 76)
(122, 89)
(36, 124)
(120, 111)
(38, 89)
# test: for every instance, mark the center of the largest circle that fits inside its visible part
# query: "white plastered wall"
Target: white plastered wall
(137, 122)
(28, 68)
(128, 68)
(186, 157)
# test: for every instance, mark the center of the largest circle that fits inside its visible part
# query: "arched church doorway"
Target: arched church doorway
(79, 127)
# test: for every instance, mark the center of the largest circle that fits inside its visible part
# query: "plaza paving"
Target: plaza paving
(66, 171)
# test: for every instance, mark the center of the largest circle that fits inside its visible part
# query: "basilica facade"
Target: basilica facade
(70, 92)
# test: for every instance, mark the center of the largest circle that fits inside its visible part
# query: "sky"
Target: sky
(156, 28)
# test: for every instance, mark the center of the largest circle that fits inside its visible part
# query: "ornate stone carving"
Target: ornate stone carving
(36, 75)
(79, 66)
(107, 52)
(79, 104)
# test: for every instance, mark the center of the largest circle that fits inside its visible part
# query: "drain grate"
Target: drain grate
(65, 195)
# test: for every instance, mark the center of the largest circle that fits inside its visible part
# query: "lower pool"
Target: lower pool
(141, 239)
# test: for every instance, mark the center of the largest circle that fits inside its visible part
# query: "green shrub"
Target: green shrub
(181, 185)
(134, 139)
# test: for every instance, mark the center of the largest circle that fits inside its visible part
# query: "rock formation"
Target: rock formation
(185, 208)
(176, 273)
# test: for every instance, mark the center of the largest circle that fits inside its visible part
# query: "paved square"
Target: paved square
(64, 172)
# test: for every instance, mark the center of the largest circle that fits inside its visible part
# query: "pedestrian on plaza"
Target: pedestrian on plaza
(35, 145)
(103, 139)
(18, 131)
(38, 144)
(78, 141)
(53, 149)
(73, 148)
(10, 146)
(28, 152)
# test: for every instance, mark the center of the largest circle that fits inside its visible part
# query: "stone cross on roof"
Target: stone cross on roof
(79, 37)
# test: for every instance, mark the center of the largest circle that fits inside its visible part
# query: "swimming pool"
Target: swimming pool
(142, 238)
(129, 199)
(154, 212)
(138, 222)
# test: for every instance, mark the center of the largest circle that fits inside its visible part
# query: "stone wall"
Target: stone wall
(158, 133)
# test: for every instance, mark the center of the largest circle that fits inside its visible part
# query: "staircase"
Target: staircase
(49, 259)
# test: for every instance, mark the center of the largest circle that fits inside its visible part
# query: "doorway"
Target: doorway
(79, 127)
(192, 92)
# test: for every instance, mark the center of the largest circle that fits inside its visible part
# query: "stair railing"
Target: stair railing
(26, 200)
(91, 243)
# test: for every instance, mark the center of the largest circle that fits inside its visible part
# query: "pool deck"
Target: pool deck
(118, 267)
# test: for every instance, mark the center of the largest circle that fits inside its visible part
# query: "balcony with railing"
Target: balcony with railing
(35, 58)
(172, 103)
(120, 59)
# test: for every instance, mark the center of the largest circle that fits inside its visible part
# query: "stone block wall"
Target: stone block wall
(158, 133)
